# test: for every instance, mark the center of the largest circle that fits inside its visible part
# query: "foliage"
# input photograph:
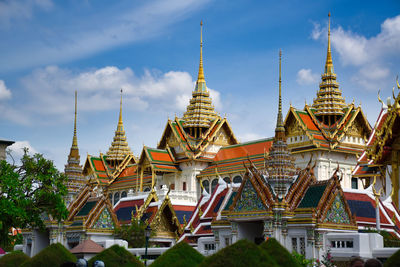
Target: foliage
(53, 255)
(327, 259)
(278, 253)
(180, 255)
(241, 253)
(302, 261)
(31, 191)
(393, 260)
(134, 233)
(116, 256)
(13, 259)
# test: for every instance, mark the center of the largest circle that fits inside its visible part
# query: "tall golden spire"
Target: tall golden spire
(200, 112)
(200, 76)
(329, 63)
(119, 147)
(280, 163)
(279, 121)
(329, 103)
(73, 170)
(74, 138)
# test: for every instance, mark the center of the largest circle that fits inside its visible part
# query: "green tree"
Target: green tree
(29, 193)
(133, 233)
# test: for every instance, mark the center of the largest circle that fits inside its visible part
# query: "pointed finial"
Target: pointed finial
(200, 77)
(75, 139)
(329, 63)
(279, 122)
(120, 110)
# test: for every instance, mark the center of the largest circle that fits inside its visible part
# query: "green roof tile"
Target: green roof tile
(86, 208)
(312, 196)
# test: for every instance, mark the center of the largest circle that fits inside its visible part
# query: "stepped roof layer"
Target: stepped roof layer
(160, 160)
(91, 210)
(322, 136)
(363, 205)
(230, 159)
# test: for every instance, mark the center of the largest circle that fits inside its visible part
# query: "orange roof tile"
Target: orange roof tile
(98, 164)
(308, 121)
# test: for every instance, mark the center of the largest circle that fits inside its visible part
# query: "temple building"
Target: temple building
(202, 186)
(330, 130)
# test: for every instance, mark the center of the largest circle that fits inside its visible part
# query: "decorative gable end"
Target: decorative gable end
(337, 212)
(104, 221)
(249, 200)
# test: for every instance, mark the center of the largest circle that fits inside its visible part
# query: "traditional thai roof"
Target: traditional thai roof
(182, 146)
(160, 160)
(119, 148)
(329, 99)
(73, 169)
(363, 206)
(87, 246)
(229, 159)
(91, 211)
(200, 113)
(318, 135)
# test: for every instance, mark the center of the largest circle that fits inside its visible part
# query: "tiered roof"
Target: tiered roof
(73, 169)
(280, 164)
(200, 113)
(119, 147)
(329, 99)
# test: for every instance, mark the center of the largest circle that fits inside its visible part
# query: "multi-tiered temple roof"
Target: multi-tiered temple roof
(329, 99)
(119, 147)
(200, 113)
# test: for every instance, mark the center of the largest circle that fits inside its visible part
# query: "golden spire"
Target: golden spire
(279, 122)
(74, 138)
(119, 147)
(329, 63)
(200, 111)
(73, 170)
(329, 103)
(200, 76)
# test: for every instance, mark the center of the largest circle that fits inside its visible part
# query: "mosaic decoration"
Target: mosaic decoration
(104, 221)
(337, 212)
(249, 199)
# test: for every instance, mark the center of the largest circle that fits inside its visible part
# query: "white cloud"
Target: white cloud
(17, 150)
(369, 55)
(87, 35)
(317, 31)
(99, 90)
(306, 77)
(249, 137)
(12, 10)
(4, 92)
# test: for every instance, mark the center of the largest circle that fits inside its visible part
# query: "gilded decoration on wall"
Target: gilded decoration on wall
(249, 199)
(337, 213)
(104, 221)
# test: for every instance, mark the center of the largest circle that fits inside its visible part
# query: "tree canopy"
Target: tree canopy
(29, 194)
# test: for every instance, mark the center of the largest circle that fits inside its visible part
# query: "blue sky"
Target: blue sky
(151, 50)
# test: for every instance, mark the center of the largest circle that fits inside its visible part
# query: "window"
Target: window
(147, 189)
(227, 241)
(237, 180)
(209, 246)
(294, 244)
(299, 245)
(214, 184)
(116, 198)
(110, 197)
(227, 180)
(123, 194)
(184, 186)
(302, 246)
(354, 183)
(206, 185)
(172, 186)
(342, 244)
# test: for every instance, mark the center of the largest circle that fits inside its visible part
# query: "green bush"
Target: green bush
(241, 253)
(53, 255)
(13, 259)
(116, 256)
(180, 255)
(279, 253)
(394, 260)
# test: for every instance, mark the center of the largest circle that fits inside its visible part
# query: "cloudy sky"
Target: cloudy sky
(50, 48)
